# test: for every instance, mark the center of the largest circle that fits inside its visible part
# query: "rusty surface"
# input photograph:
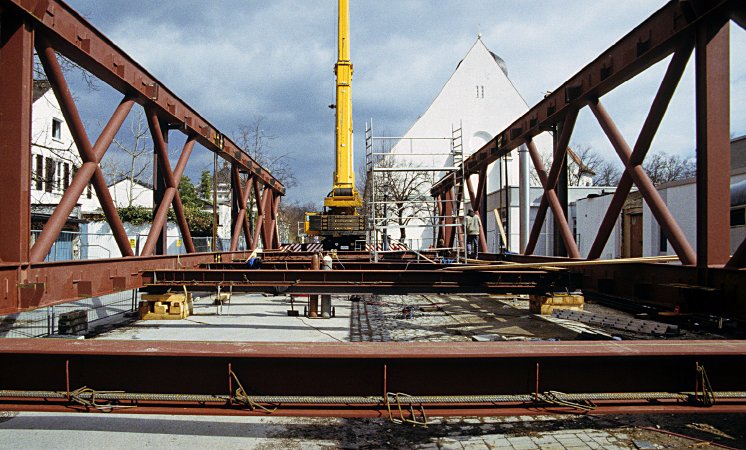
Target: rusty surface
(361, 281)
(646, 187)
(713, 143)
(16, 64)
(24, 287)
(368, 369)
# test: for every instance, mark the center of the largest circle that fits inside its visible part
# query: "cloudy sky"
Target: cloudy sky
(234, 61)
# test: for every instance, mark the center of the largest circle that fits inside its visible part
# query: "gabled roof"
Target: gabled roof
(136, 181)
(500, 62)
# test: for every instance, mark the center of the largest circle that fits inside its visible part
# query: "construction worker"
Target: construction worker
(473, 224)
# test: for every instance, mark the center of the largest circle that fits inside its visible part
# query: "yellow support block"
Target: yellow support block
(545, 304)
(168, 306)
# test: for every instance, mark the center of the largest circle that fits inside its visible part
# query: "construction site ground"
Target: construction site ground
(434, 318)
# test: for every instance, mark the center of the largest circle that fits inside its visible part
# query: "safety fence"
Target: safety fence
(73, 245)
(44, 322)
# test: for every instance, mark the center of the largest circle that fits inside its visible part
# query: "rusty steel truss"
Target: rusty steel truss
(50, 28)
(370, 379)
(676, 30)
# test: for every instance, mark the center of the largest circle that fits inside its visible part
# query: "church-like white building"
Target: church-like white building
(481, 101)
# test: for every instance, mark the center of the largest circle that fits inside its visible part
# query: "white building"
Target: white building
(54, 156)
(636, 231)
(480, 99)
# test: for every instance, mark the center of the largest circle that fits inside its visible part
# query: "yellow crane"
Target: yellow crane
(340, 224)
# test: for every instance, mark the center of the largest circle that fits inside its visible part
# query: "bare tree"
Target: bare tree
(582, 164)
(662, 167)
(607, 174)
(257, 142)
(292, 214)
(133, 156)
(406, 190)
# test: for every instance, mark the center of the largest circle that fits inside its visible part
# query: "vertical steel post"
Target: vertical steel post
(524, 197)
(236, 196)
(561, 189)
(160, 143)
(712, 73)
(160, 215)
(16, 67)
(159, 193)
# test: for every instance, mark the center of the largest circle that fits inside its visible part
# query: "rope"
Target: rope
(87, 397)
(398, 397)
(556, 398)
(708, 395)
(243, 397)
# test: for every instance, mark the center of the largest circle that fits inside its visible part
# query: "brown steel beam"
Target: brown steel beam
(52, 283)
(172, 183)
(642, 145)
(53, 71)
(712, 74)
(492, 378)
(259, 201)
(476, 206)
(161, 214)
(361, 281)
(16, 68)
(644, 46)
(75, 38)
(654, 200)
(439, 210)
(449, 231)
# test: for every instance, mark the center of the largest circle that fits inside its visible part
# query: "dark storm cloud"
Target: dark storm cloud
(234, 60)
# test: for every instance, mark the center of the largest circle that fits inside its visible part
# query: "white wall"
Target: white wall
(589, 213)
(680, 197)
(62, 149)
(481, 100)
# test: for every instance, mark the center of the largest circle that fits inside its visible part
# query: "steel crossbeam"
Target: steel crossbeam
(359, 281)
(373, 379)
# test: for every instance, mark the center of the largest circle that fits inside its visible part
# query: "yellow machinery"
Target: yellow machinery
(340, 224)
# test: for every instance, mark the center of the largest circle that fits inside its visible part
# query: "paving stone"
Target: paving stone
(522, 443)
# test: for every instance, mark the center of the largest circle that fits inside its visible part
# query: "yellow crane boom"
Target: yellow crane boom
(343, 194)
(340, 225)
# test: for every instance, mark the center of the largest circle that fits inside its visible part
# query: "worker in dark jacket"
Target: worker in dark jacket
(473, 224)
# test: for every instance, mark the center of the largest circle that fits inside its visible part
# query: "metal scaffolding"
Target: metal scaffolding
(382, 166)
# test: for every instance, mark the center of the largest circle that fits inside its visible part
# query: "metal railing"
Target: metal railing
(43, 322)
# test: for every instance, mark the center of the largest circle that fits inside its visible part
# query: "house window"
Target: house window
(48, 174)
(57, 129)
(39, 175)
(66, 176)
(663, 246)
(58, 177)
(480, 91)
(481, 88)
(738, 216)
